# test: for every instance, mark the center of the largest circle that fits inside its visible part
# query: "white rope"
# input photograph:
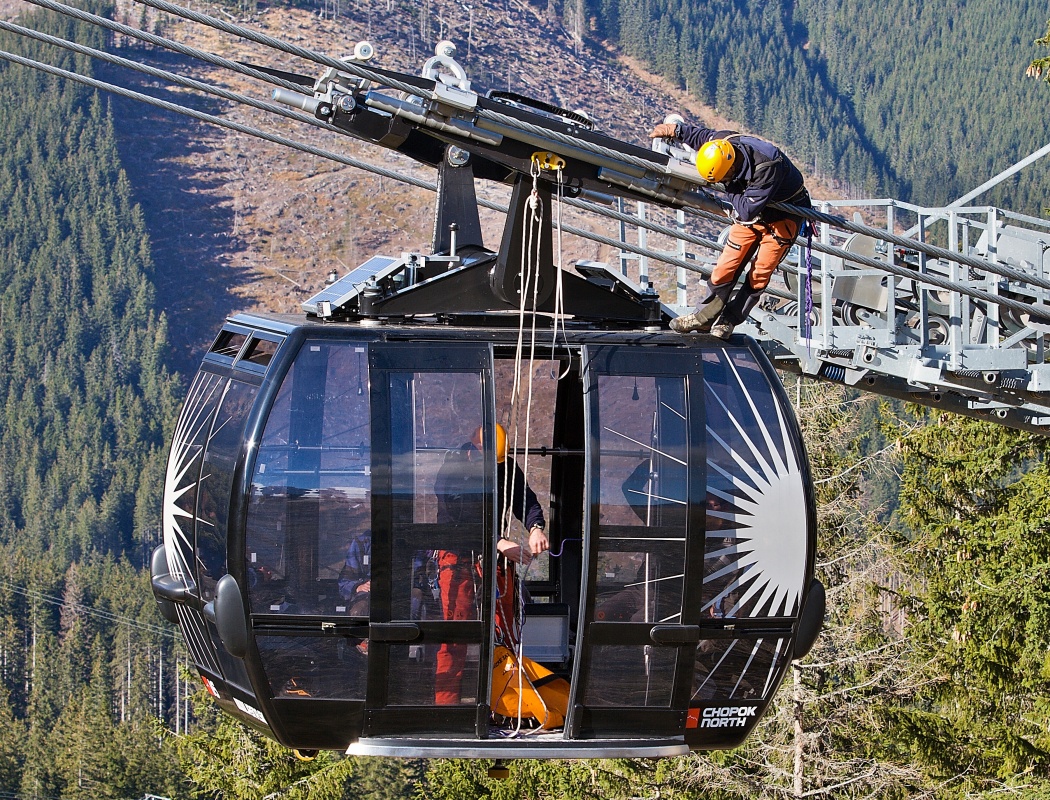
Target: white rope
(530, 223)
(559, 288)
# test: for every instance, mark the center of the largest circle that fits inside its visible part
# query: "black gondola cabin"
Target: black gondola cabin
(308, 460)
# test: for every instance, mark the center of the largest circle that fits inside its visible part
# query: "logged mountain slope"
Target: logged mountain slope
(916, 100)
(241, 223)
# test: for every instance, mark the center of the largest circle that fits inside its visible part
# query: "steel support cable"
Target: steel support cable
(164, 74)
(109, 616)
(321, 153)
(222, 62)
(620, 158)
(630, 219)
(922, 247)
(1015, 305)
(704, 203)
(276, 44)
(934, 280)
(200, 115)
(167, 44)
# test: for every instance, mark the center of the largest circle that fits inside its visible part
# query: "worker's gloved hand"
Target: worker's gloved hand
(665, 130)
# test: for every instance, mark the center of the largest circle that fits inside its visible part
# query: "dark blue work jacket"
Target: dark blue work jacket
(761, 175)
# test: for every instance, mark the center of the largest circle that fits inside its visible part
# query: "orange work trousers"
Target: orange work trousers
(458, 602)
(457, 575)
(771, 240)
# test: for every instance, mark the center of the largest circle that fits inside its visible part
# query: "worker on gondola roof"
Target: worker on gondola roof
(754, 174)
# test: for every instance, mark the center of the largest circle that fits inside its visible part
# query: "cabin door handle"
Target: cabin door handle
(674, 635)
(393, 632)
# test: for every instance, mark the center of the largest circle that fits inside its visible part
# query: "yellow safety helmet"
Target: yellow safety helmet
(715, 159)
(501, 442)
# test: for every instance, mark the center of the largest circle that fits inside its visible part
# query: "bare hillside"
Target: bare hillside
(239, 223)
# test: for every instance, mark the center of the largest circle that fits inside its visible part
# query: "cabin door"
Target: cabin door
(643, 543)
(430, 627)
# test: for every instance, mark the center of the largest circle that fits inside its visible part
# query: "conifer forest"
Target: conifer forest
(932, 676)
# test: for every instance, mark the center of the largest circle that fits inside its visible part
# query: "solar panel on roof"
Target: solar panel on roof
(349, 286)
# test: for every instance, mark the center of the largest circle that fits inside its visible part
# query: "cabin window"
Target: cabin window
(308, 539)
(642, 443)
(228, 344)
(438, 479)
(756, 535)
(529, 398)
(213, 495)
(757, 525)
(260, 352)
(738, 668)
(334, 667)
(440, 508)
(186, 459)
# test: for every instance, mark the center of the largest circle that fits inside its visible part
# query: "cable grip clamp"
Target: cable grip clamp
(546, 161)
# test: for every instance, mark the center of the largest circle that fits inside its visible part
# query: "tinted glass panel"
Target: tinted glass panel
(184, 471)
(737, 669)
(642, 440)
(532, 393)
(438, 477)
(757, 515)
(213, 500)
(441, 507)
(638, 675)
(309, 537)
(228, 344)
(311, 666)
(757, 529)
(260, 351)
(415, 677)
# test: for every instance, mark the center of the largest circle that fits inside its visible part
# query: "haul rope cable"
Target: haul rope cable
(1015, 305)
(616, 157)
(1018, 306)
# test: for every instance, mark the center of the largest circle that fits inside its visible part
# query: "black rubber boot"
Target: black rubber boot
(740, 306)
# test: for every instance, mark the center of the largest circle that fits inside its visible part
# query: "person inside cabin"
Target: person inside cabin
(755, 175)
(459, 571)
(355, 582)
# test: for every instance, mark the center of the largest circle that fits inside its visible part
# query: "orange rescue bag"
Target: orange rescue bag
(544, 695)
